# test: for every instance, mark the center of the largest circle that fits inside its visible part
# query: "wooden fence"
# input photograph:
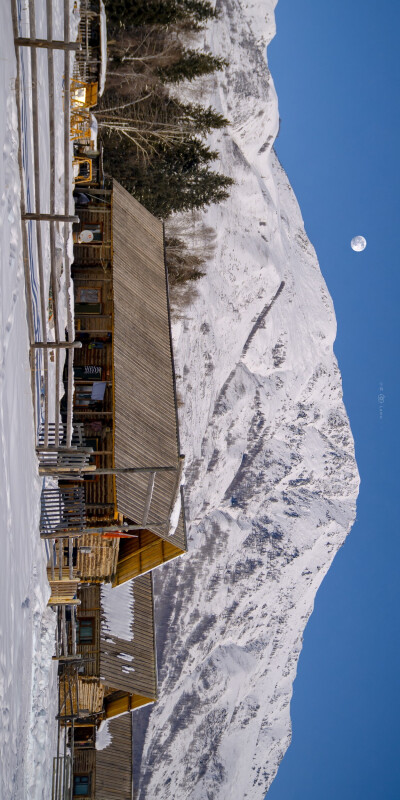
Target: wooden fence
(34, 216)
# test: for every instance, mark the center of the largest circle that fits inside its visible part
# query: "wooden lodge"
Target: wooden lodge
(104, 772)
(125, 395)
(115, 641)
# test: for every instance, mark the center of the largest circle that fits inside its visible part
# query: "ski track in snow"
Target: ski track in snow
(271, 478)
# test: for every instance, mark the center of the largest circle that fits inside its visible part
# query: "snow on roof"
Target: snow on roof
(125, 656)
(176, 509)
(103, 736)
(103, 48)
(175, 514)
(118, 610)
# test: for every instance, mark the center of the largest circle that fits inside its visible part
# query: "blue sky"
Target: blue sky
(336, 67)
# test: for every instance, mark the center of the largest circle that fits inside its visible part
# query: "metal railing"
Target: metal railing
(62, 783)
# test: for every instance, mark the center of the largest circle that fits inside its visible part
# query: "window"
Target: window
(88, 300)
(88, 294)
(83, 309)
(81, 785)
(85, 630)
(83, 734)
(83, 395)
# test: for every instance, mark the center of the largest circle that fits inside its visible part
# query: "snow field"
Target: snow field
(28, 685)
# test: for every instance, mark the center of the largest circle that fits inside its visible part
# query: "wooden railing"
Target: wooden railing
(34, 216)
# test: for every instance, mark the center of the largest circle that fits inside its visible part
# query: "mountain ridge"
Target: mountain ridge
(272, 480)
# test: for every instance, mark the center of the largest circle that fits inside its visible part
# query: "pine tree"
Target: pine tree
(175, 179)
(153, 141)
(163, 191)
(190, 65)
(206, 119)
(135, 13)
(186, 156)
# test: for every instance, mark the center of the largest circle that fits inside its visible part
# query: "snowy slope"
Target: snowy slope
(271, 481)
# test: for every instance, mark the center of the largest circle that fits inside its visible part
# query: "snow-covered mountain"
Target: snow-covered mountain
(271, 481)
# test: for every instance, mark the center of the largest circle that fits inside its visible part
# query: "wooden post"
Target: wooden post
(53, 44)
(70, 558)
(60, 559)
(71, 659)
(52, 545)
(64, 631)
(149, 495)
(91, 470)
(103, 192)
(51, 217)
(66, 533)
(95, 506)
(51, 448)
(56, 346)
(73, 626)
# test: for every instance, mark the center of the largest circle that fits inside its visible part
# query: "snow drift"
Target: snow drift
(271, 479)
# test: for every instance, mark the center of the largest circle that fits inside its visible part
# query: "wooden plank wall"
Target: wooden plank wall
(101, 564)
(90, 608)
(114, 763)
(90, 694)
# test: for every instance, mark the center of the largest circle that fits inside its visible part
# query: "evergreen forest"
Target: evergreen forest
(154, 143)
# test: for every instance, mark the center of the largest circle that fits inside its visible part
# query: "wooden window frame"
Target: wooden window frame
(82, 289)
(92, 620)
(82, 775)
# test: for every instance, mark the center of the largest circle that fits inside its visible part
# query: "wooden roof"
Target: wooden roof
(146, 424)
(130, 666)
(114, 763)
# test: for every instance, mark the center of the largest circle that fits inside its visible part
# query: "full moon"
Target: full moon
(358, 243)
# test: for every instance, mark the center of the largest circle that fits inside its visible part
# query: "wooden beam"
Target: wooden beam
(149, 495)
(51, 217)
(70, 473)
(56, 345)
(49, 44)
(65, 533)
